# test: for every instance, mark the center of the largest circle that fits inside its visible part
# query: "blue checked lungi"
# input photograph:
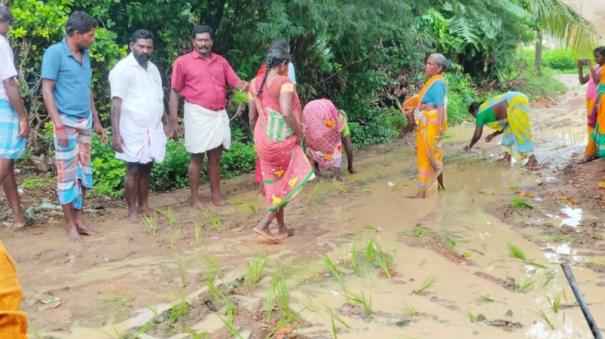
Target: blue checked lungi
(73, 161)
(12, 146)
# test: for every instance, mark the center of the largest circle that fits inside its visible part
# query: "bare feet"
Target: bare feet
(351, 170)
(532, 163)
(145, 211)
(20, 219)
(266, 235)
(73, 234)
(419, 195)
(84, 229)
(219, 201)
(133, 216)
(505, 159)
(587, 158)
(195, 202)
(284, 233)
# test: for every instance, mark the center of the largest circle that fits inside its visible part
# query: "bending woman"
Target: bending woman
(508, 114)
(326, 133)
(275, 121)
(428, 111)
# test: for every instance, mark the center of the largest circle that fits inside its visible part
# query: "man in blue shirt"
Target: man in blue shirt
(66, 76)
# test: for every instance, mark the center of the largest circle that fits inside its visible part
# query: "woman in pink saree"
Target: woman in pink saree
(275, 115)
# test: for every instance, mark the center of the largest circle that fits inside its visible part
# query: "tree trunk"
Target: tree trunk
(538, 55)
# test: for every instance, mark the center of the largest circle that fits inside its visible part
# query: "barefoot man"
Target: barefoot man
(14, 127)
(66, 76)
(202, 77)
(137, 107)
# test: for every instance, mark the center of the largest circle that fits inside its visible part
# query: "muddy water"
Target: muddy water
(474, 276)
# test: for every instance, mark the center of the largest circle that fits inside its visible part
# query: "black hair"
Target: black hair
(199, 29)
(5, 14)
(274, 57)
(600, 50)
(141, 34)
(280, 43)
(80, 22)
(474, 107)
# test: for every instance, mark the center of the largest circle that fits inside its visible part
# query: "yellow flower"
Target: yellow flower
(330, 123)
(276, 200)
(328, 156)
(293, 182)
(279, 173)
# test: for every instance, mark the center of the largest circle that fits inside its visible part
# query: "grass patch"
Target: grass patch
(36, 182)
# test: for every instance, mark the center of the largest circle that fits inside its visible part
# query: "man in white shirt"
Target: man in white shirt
(137, 108)
(14, 127)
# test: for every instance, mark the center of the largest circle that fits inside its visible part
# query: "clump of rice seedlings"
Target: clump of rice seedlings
(308, 304)
(410, 310)
(182, 271)
(485, 298)
(376, 257)
(360, 299)
(152, 224)
(546, 321)
(214, 220)
(176, 236)
(550, 276)
(215, 293)
(177, 312)
(371, 227)
(473, 318)
(270, 301)
(517, 253)
(526, 285)
(228, 321)
(355, 264)
(214, 268)
(254, 273)
(520, 203)
(240, 97)
(420, 231)
(168, 215)
(197, 233)
(335, 318)
(425, 286)
(334, 271)
(195, 335)
(283, 297)
(555, 303)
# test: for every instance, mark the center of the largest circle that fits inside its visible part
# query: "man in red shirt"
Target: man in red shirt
(202, 79)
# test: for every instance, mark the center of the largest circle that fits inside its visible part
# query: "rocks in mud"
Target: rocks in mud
(509, 313)
(506, 325)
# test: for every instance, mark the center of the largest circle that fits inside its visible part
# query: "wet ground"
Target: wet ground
(479, 260)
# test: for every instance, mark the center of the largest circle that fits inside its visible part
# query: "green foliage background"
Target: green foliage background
(355, 52)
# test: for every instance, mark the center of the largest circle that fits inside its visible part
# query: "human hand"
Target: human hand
(100, 132)
(23, 128)
(117, 142)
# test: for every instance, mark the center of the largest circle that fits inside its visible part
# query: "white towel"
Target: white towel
(205, 129)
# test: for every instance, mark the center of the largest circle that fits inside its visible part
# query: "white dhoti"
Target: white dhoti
(143, 142)
(205, 129)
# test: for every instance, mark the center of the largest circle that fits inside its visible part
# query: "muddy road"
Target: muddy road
(479, 260)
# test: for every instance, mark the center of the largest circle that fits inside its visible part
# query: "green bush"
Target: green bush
(559, 59)
(460, 95)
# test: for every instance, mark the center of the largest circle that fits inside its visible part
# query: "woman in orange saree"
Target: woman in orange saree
(275, 115)
(428, 111)
(13, 323)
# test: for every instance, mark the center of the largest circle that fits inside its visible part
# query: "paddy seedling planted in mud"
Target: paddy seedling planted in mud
(333, 319)
(215, 293)
(517, 253)
(361, 300)
(376, 257)
(270, 301)
(176, 236)
(334, 271)
(197, 335)
(152, 224)
(197, 233)
(425, 286)
(228, 321)
(520, 203)
(546, 321)
(254, 272)
(420, 231)
(526, 285)
(410, 310)
(550, 276)
(555, 303)
(355, 265)
(168, 214)
(213, 219)
(214, 268)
